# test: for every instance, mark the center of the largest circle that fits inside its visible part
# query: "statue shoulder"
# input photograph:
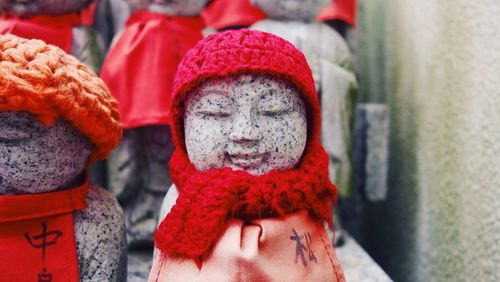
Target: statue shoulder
(100, 238)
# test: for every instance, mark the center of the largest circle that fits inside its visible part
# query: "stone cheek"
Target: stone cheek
(300, 10)
(39, 7)
(249, 122)
(35, 158)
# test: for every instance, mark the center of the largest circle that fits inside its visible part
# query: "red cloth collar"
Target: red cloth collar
(208, 200)
(195, 22)
(139, 69)
(23, 207)
(37, 239)
(344, 10)
(56, 30)
(226, 13)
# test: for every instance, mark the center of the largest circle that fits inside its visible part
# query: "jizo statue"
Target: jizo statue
(57, 117)
(138, 171)
(251, 189)
(58, 22)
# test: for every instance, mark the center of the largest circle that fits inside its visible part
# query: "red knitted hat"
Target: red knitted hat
(208, 199)
(42, 79)
(241, 52)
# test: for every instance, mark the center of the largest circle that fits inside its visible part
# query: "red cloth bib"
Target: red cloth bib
(226, 13)
(139, 69)
(55, 30)
(344, 10)
(37, 240)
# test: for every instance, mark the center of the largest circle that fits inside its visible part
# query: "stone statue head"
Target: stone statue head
(56, 117)
(252, 122)
(298, 10)
(42, 7)
(246, 100)
(170, 7)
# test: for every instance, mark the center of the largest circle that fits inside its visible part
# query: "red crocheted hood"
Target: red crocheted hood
(243, 51)
(209, 199)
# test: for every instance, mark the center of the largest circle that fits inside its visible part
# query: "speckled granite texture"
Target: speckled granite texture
(35, 159)
(250, 122)
(437, 65)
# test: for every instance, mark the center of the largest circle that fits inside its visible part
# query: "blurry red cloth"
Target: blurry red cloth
(139, 69)
(37, 239)
(55, 30)
(88, 13)
(344, 10)
(225, 13)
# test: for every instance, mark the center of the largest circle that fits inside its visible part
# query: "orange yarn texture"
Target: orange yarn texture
(42, 79)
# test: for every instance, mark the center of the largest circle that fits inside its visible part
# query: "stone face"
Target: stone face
(35, 158)
(36, 7)
(250, 122)
(303, 10)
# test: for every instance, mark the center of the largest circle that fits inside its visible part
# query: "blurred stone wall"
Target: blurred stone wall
(437, 65)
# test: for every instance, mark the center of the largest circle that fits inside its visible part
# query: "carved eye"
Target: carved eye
(274, 112)
(213, 114)
(13, 134)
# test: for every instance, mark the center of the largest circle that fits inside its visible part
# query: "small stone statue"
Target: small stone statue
(57, 22)
(139, 71)
(57, 117)
(329, 57)
(251, 178)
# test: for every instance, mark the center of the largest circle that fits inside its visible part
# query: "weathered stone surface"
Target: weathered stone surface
(438, 70)
(35, 159)
(252, 123)
(370, 152)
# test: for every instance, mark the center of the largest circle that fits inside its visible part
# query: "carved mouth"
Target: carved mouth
(247, 160)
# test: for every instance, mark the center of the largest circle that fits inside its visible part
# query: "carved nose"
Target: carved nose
(244, 130)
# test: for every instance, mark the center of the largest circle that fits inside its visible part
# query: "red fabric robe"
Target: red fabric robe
(139, 69)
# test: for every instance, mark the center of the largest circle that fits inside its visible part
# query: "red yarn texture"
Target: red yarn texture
(209, 199)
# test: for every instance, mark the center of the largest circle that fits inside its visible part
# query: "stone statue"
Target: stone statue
(251, 179)
(329, 57)
(138, 171)
(57, 22)
(51, 129)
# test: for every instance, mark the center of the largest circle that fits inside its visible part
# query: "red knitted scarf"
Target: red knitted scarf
(208, 200)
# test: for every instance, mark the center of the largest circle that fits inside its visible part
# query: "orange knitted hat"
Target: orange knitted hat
(44, 80)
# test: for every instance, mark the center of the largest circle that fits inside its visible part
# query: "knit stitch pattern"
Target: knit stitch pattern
(44, 80)
(231, 53)
(209, 199)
